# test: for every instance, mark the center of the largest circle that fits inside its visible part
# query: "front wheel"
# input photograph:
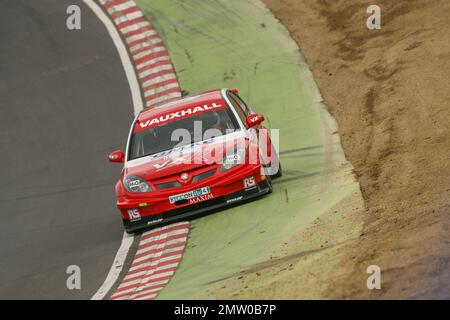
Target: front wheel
(269, 184)
(279, 172)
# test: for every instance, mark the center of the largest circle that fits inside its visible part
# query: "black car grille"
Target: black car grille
(203, 176)
(168, 185)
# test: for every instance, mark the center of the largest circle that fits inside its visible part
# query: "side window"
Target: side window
(238, 108)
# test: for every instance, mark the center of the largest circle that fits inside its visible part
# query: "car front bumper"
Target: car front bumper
(260, 189)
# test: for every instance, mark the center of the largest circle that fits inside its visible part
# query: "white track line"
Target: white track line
(138, 105)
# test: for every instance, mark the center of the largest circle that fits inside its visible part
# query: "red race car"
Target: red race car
(193, 155)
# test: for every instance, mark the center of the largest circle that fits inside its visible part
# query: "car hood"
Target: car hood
(183, 159)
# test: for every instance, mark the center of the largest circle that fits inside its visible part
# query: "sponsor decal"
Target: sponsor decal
(201, 199)
(154, 221)
(180, 151)
(190, 194)
(177, 156)
(179, 114)
(249, 182)
(143, 204)
(235, 199)
(134, 215)
(188, 154)
(175, 160)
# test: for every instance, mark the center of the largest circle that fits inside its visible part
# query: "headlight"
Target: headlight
(135, 184)
(234, 156)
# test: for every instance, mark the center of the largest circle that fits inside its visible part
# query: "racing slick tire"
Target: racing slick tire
(280, 170)
(279, 173)
(269, 183)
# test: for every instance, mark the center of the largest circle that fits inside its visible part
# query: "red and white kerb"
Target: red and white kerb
(160, 250)
(150, 58)
(158, 255)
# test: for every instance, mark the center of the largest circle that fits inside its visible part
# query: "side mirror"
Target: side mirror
(254, 119)
(117, 156)
(235, 91)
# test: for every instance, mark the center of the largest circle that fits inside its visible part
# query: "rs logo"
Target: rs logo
(134, 215)
(249, 182)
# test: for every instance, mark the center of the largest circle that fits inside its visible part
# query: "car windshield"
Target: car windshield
(182, 132)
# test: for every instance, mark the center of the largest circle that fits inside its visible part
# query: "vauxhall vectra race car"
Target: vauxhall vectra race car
(193, 155)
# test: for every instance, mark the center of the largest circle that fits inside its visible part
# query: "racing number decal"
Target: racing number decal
(134, 215)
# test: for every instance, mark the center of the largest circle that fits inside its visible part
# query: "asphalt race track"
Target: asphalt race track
(65, 104)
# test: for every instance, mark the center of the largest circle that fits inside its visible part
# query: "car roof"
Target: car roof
(177, 105)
